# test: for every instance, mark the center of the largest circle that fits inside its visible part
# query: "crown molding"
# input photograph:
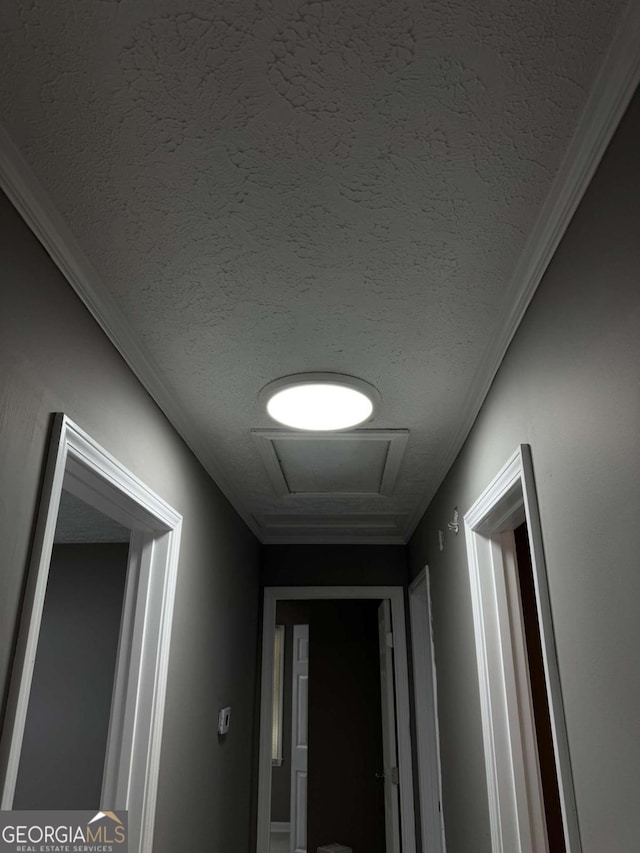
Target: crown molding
(329, 538)
(614, 86)
(345, 528)
(38, 211)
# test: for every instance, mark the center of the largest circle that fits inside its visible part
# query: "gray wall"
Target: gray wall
(570, 387)
(334, 565)
(65, 737)
(54, 358)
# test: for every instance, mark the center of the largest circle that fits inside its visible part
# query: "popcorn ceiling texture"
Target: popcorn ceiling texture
(276, 187)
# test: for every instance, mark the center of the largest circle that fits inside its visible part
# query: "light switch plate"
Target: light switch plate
(224, 716)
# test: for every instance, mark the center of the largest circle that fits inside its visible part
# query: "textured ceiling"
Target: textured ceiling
(275, 187)
(79, 522)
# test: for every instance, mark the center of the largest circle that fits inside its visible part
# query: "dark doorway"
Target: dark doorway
(546, 752)
(345, 794)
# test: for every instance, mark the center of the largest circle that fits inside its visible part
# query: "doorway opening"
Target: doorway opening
(125, 777)
(348, 766)
(329, 783)
(67, 721)
(541, 715)
(531, 797)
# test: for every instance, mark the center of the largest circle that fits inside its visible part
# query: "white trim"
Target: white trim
(612, 90)
(371, 527)
(130, 779)
(397, 439)
(395, 594)
(314, 537)
(278, 701)
(515, 797)
(426, 711)
(278, 826)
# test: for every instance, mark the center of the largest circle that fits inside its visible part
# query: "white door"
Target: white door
(299, 739)
(389, 744)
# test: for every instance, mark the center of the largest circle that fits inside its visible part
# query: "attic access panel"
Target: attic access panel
(361, 462)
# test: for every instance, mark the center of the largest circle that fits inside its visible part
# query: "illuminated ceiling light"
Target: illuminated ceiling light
(320, 401)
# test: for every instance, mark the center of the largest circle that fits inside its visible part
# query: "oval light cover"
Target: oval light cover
(321, 403)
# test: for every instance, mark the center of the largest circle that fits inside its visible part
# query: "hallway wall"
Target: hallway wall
(334, 565)
(53, 357)
(570, 387)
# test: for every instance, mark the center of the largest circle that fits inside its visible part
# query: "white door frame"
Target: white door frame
(395, 594)
(425, 695)
(77, 463)
(515, 796)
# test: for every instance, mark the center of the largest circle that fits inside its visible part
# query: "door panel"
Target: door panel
(389, 743)
(299, 738)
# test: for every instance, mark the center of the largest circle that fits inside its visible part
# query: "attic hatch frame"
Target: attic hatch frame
(78, 464)
(396, 597)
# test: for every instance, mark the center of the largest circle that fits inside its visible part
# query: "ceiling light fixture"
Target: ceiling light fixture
(320, 401)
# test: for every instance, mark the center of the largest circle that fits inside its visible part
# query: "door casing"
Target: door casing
(80, 465)
(516, 809)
